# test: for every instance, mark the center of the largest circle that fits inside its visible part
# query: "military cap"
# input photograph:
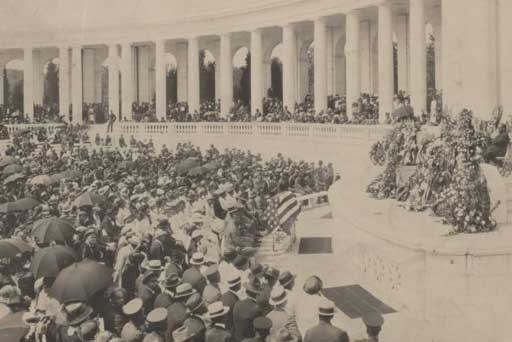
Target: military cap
(157, 315)
(132, 307)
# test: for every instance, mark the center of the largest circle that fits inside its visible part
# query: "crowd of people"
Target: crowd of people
(130, 244)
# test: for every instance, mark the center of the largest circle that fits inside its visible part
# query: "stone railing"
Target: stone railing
(315, 200)
(50, 127)
(270, 130)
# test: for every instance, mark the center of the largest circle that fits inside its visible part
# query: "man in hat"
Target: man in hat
(214, 285)
(177, 312)
(262, 326)
(373, 322)
(233, 236)
(279, 316)
(182, 334)
(166, 298)
(226, 264)
(91, 249)
(287, 281)
(80, 325)
(114, 318)
(218, 331)
(149, 289)
(324, 330)
(245, 311)
(156, 322)
(193, 274)
(232, 296)
(195, 322)
(134, 329)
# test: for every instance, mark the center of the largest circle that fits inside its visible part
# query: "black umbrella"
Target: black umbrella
(49, 261)
(9, 248)
(81, 281)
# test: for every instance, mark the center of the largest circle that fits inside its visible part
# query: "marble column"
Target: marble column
(76, 84)
(193, 75)
(418, 74)
(470, 77)
(330, 62)
(2, 68)
(402, 33)
(113, 80)
(127, 89)
(182, 72)
(438, 50)
(505, 53)
(38, 77)
(256, 71)
(64, 82)
(365, 56)
(352, 56)
(160, 80)
(28, 83)
(320, 82)
(385, 61)
(289, 66)
(89, 75)
(226, 74)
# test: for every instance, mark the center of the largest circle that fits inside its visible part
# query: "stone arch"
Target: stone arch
(207, 75)
(51, 83)
(171, 77)
(14, 71)
(241, 75)
(276, 72)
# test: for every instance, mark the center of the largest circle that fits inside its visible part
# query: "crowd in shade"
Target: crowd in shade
(130, 244)
(94, 113)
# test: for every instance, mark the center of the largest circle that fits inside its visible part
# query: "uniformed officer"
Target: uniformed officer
(324, 330)
(134, 329)
(217, 332)
(373, 322)
(156, 325)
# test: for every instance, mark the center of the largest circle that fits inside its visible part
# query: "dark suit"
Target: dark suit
(325, 332)
(217, 333)
(163, 300)
(244, 313)
(229, 299)
(176, 315)
(194, 277)
(195, 325)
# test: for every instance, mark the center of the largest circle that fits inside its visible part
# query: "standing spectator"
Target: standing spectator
(111, 119)
(324, 330)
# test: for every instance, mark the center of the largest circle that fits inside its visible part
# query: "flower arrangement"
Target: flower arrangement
(447, 178)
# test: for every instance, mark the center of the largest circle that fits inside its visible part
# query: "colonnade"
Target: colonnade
(368, 35)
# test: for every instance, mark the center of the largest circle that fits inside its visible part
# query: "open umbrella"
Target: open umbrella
(81, 281)
(13, 178)
(49, 261)
(7, 161)
(26, 203)
(68, 174)
(88, 198)
(13, 328)
(52, 229)
(8, 207)
(183, 167)
(213, 165)
(41, 179)
(12, 168)
(197, 171)
(10, 247)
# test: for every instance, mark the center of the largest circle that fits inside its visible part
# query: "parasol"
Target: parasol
(52, 229)
(213, 165)
(12, 168)
(49, 261)
(41, 179)
(81, 281)
(68, 174)
(26, 203)
(197, 171)
(7, 161)
(13, 178)
(183, 167)
(88, 198)
(10, 247)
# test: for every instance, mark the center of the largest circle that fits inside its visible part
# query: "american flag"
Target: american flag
(282, 209)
